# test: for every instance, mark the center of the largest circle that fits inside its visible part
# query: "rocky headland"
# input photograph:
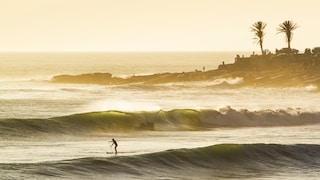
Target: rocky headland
(280, 70)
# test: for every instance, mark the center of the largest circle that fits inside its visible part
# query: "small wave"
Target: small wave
(222, 160)
(311, 88)
(231, 81)
(209, 83)
(174, 120)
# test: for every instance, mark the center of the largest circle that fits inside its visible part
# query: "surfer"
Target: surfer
(114, 142)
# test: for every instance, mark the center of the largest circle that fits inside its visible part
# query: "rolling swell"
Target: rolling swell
(223, 160)
(174, 120)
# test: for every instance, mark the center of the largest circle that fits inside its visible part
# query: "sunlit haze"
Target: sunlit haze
(157, 25)
(159, 89)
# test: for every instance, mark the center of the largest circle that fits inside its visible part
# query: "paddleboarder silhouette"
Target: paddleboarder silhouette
(114, 142)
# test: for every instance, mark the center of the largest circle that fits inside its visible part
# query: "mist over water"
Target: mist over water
(41, 99)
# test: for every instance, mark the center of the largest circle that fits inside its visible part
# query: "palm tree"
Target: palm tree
(258, 29)
(287, 27)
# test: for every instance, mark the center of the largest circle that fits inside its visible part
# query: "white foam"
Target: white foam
(311, 88)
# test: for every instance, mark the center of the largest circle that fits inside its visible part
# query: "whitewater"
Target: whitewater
(190, 130)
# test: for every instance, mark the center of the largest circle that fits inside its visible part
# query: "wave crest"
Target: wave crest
(179, 119)
(222, 160)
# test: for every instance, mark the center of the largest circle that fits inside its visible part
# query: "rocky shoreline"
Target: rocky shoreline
(268, 70)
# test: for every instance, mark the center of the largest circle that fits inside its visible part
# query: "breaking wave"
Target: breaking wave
(222, 160)
(174, 120)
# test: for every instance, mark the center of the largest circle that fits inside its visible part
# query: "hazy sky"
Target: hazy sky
(152, 25)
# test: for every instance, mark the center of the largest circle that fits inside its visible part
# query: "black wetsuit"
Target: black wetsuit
(115, 145)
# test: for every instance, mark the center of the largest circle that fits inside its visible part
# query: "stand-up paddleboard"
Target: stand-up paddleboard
(110, 152)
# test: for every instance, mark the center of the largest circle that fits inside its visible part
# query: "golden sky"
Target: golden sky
(152, 25)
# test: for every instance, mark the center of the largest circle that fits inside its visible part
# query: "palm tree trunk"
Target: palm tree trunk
(262, 51)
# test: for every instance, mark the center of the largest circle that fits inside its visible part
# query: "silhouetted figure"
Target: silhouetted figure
(203, 69)
(114, 142)
(237, 58)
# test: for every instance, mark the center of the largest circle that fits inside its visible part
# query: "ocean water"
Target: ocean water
(191, 130)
